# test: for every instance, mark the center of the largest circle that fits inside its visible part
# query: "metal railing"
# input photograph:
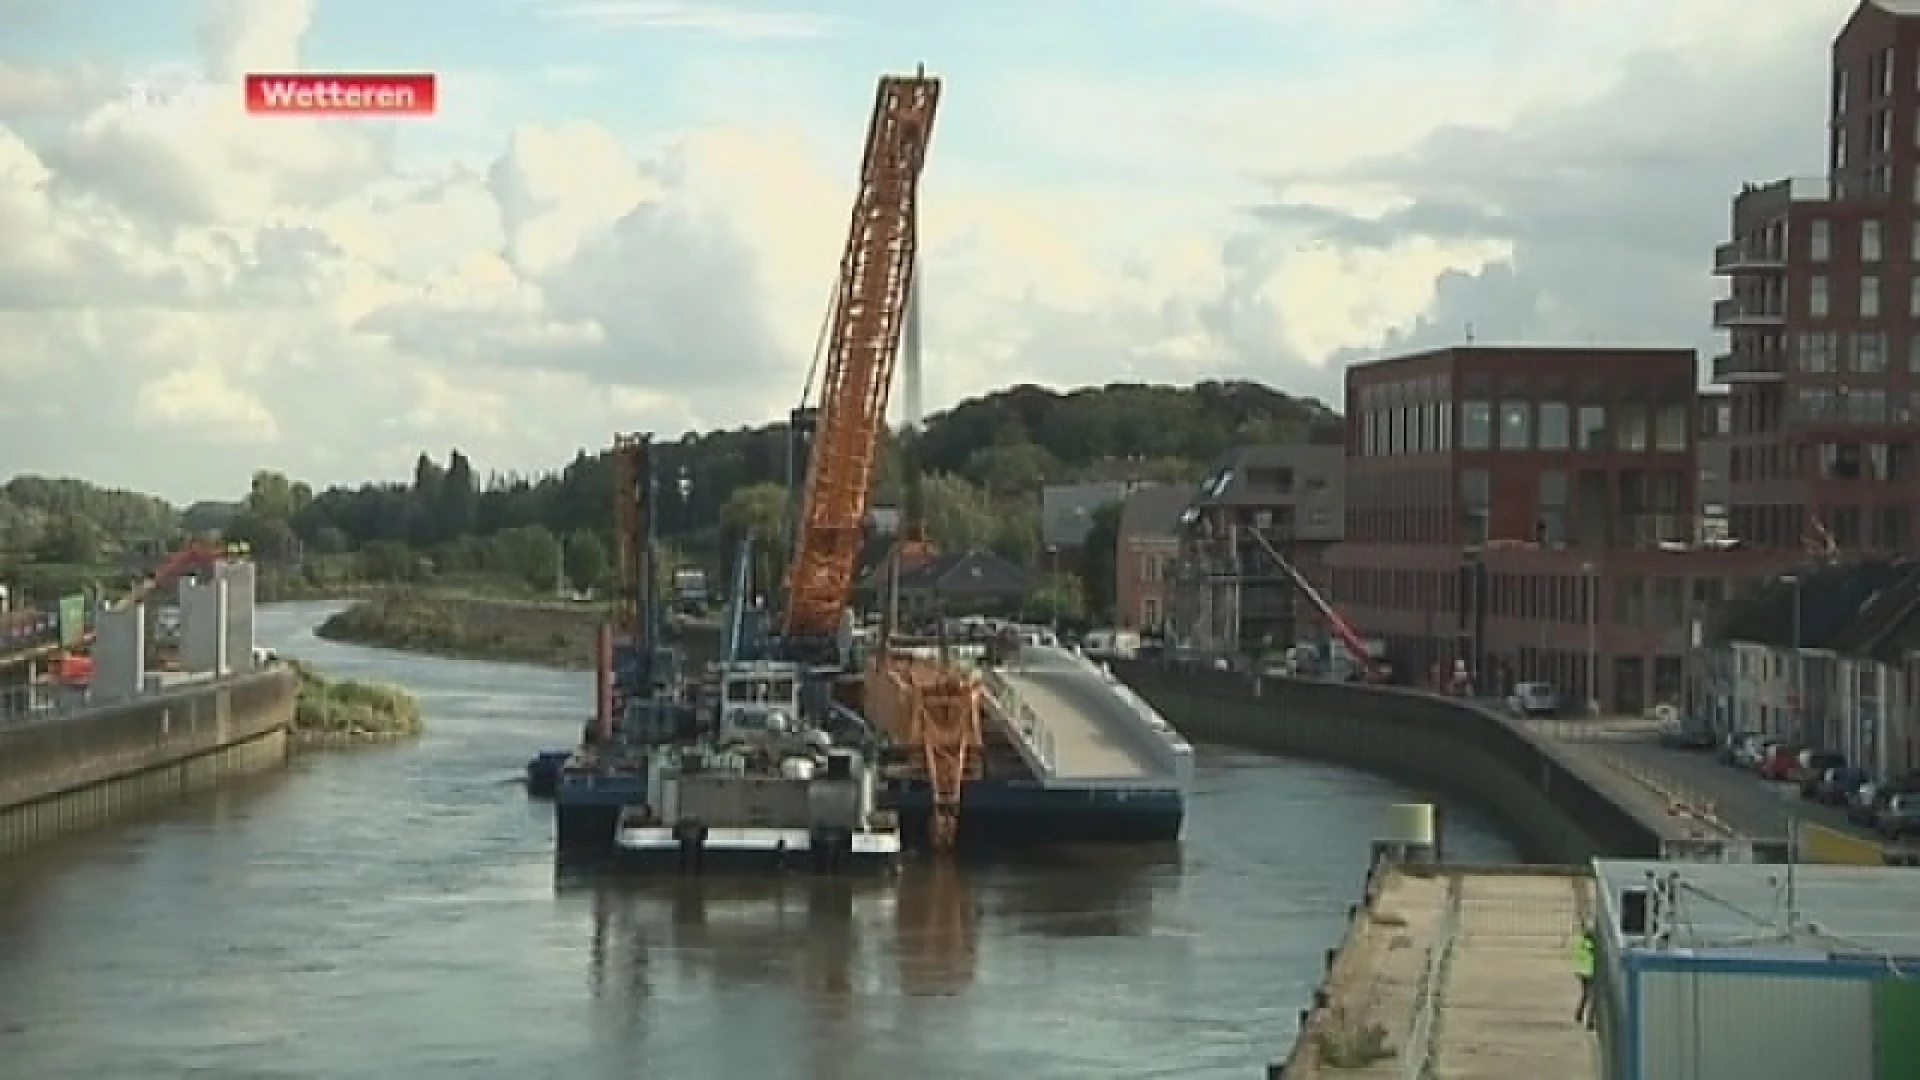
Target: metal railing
(1419, 1055)
(1023, 720)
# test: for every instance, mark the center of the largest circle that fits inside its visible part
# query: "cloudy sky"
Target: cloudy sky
(628, 213)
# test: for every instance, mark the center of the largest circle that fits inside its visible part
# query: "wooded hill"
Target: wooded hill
(985, 459)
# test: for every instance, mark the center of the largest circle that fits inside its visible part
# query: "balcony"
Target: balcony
(1654, 531)
(1737, 311)
(1750, 367)
(1740, 257)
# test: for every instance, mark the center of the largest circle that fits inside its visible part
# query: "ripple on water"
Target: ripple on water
(393, 911)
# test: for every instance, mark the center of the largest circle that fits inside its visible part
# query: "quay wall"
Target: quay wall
(1552, 804)
(84, 768)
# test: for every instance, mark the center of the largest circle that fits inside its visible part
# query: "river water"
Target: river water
(395, 912)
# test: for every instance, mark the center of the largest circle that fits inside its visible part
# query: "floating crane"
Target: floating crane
(931, 712)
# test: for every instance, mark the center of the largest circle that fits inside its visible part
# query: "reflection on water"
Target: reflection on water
(397, 912)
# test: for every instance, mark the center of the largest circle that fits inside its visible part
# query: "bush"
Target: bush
(350, 708)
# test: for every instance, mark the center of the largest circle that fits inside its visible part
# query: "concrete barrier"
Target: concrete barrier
(1552, 805)
(84, 768)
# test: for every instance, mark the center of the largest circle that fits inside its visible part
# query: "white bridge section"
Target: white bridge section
(1077, 726)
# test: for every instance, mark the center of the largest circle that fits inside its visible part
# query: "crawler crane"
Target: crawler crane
(929, 711)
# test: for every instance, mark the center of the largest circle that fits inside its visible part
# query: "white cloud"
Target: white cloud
(234, 293)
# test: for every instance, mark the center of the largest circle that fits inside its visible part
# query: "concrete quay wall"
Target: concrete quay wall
(81, 769)
(1555, 806)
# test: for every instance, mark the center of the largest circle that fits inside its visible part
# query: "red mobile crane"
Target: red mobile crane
(1370, 669)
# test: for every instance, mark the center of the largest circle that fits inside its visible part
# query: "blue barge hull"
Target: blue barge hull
(586, 809)
(1003, 814)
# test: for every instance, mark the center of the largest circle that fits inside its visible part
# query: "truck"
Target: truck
(690, 595)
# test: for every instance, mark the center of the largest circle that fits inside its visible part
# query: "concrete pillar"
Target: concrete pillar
(240, 580)
(120, 653)
(203, 626)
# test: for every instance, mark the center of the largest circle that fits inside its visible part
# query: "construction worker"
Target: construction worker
(1583, 946)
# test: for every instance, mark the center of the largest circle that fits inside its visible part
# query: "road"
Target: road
(1745, 803)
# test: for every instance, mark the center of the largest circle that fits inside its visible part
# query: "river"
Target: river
(395, 912)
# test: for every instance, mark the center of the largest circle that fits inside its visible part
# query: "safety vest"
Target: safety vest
(1583, 955)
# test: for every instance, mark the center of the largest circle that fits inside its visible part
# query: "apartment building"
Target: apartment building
(1823, 314)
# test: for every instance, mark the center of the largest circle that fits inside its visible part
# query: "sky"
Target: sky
(627, 215)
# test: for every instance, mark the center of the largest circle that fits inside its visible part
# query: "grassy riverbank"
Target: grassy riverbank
(549, 633)
(342, 712)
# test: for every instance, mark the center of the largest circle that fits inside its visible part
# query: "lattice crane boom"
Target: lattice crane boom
(863, 344)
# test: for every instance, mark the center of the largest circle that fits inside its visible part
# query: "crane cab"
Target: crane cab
(759, 702)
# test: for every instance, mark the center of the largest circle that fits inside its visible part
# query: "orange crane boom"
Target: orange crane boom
(863, 343)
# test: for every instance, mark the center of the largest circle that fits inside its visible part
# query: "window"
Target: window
(1869, 241)
(1632, 430)
(1553, 425)
(1820, 241)
(1913, 287)
(1870, 297)
(1593, 427)
(1149, 613)
(1476, 501)
(1550, 530)
(1817, 296)
(1869, 353)
(1913, 354)
(1839, 91)
(1476, 425)
(1670, 427)
(1818, 351)
(1516, 425)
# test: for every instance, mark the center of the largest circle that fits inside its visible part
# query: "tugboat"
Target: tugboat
(642, 698)
(770, 784)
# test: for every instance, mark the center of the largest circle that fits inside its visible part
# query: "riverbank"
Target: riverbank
(331, 713)
(467, 627)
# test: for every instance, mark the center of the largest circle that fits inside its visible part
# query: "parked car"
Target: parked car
(1834, 786)
(1810, 765)
(1533, 699)
(1899, 818)
(1736, 746)
(1779, 761)
(1863, 806)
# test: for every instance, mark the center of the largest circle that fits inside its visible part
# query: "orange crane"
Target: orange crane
(862, 345)
(931, 710)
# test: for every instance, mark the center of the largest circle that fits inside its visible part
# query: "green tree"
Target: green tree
(529, 554)
(1099, 557)
(72, 538)
(588, 565)
(959, 518)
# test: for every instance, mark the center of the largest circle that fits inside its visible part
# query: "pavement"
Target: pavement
(1458, 974)
(1747, 805)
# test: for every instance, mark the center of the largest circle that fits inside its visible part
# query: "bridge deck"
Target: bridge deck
(1093, 732)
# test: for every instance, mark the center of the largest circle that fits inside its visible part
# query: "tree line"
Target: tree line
(983, 464)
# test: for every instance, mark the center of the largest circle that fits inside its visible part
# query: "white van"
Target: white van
(1112, 644)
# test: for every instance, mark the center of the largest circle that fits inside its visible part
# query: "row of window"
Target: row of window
(1872, 237)
(1868, 298)
(1524, 425)
(1647, 603)
(1867, 352)
(1879, 462)
(1853, 405)
(1887, 529)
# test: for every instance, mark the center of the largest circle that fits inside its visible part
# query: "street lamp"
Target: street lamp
(1591, 573)
(1797, 688)
(1053, 589)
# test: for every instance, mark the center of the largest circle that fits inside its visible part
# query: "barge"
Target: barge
(774, 782)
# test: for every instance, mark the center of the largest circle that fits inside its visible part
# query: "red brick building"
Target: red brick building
(1149, 546)
(1823, 314)
(1533, 512)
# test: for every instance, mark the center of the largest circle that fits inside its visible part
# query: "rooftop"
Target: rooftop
(1859, 609)
(1740, 910)
(1154, 511)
